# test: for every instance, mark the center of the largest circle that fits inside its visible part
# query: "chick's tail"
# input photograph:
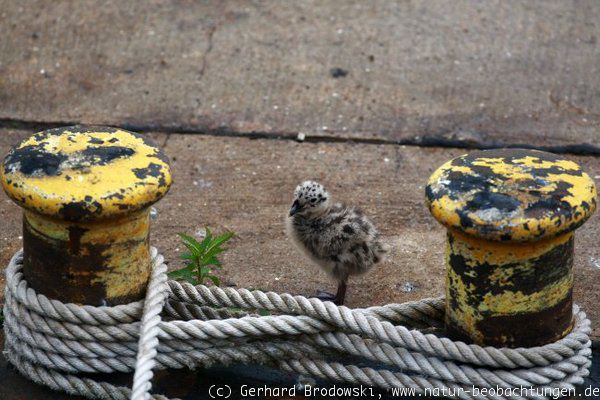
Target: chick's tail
(381, 249)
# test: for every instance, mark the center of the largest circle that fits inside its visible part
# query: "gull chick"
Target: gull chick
(339, 239)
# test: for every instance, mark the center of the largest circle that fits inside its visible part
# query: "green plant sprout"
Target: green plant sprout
(201, 258)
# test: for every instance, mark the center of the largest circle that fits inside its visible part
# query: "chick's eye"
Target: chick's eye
(313, 200)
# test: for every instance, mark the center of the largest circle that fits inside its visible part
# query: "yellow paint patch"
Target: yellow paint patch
(513, 302)
(464, 316)
(128, 269)
(501, 253)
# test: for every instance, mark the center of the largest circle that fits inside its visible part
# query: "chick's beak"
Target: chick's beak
(295, 208)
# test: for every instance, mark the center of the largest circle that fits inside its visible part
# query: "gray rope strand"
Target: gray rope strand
(345, 318)
(52, 341)
(156, 295)
(70, 384)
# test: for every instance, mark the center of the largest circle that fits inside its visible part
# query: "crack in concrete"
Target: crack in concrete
(210, 34)
(209, 38)
(432, 140)
(569, 106)
(166, 141)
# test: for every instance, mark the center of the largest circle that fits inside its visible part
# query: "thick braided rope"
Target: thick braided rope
(156, 295)
(50, 341)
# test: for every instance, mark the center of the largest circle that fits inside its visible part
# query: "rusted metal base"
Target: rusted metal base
(96, 263)
(509, 294)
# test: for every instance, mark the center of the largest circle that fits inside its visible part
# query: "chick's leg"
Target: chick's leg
(325, 296)
(339, 273)
(341, 293)
(339, 296)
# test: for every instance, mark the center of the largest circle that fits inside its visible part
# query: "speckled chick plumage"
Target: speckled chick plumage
(340, 239)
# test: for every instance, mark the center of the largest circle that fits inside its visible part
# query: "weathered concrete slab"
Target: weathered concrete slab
(462, 72)
(246, 185)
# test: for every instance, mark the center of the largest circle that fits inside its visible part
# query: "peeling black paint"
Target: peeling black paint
(116, 195)
(546, 270)
(41, 160)
(485, 200)
(80, 210)
(481, 280)
(459, 183)
(102, 155)
(152, 169)
(33, 160)
(49, 266)
(94, 140)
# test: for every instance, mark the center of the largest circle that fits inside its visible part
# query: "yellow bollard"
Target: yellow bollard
(86, 193)
(510, 215)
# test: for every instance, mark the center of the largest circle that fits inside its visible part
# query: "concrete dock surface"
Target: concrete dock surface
(383, 92)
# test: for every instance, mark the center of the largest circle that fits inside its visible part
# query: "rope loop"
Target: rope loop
(183, 326)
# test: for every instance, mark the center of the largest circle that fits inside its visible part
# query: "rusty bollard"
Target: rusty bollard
(511, 216)
(86, 193)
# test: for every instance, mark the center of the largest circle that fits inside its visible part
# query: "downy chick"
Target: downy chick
(339, 239)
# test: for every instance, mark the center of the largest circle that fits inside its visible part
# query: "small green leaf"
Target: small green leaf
(190, 266)
(208, 236)
(187, 238)
(175, 274)
(191, 243)
(204, 244)
(212, 261)
(220, 240)
(204, 270)
(215, 280)
(213, 250)
(223, 238)
(191, 248)
(186, 256)
(183, 274)
(263, 313)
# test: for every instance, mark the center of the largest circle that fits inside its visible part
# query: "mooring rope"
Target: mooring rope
(182, 326)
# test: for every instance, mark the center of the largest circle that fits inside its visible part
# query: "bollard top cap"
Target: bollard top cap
(82, 173)
(511, 194)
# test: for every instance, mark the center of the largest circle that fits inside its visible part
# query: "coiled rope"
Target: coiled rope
(182, 326)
